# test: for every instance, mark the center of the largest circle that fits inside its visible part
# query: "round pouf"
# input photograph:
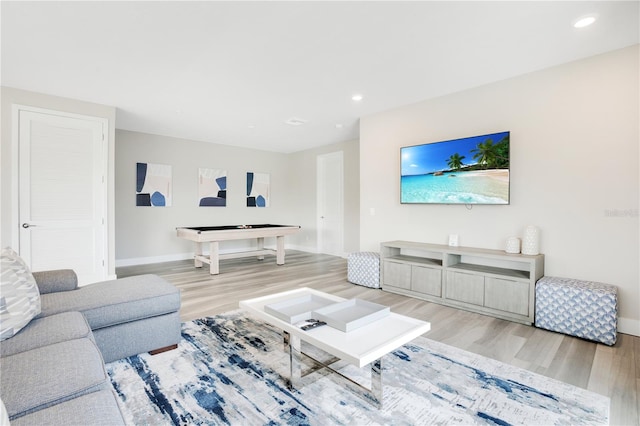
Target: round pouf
(363, 268)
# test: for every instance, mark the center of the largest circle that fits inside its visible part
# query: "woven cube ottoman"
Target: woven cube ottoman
(584, 309)
(363, 268)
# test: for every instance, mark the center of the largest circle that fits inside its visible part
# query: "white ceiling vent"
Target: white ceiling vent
(294, 121)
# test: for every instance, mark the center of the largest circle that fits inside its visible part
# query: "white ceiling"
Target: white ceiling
(234, 72)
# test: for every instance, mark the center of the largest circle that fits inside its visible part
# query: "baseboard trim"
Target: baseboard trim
(629, 326)
(153, 259)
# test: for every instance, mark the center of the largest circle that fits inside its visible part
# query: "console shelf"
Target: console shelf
(417, 260)
(492, 270)
(490, 282)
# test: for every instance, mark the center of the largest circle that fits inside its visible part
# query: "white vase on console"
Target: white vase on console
(531, 240)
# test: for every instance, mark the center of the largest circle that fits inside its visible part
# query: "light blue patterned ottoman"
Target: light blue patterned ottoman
(584, 309)
(363, 268)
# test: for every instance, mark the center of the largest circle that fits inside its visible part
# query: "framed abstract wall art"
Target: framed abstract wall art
(212, 187)
(153, 185)
(258, 189)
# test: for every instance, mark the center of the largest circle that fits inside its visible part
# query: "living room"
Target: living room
(574, 174)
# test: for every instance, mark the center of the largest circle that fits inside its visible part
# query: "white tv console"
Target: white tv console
(490, 282)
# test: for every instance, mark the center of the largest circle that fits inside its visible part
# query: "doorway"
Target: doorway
(330, 205)
(62, 194)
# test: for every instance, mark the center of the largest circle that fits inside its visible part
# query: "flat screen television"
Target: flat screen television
(473, 170)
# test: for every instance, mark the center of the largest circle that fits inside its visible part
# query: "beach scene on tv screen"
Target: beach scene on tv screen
(473, 170)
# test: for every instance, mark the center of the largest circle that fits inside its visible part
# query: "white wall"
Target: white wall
(147, 234)
(302, 190)
(8, 176)
(574, 170)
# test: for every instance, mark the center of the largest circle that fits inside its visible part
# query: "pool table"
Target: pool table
(214, 234)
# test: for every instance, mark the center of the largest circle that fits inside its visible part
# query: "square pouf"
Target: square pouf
(363, 268)
(584, 309)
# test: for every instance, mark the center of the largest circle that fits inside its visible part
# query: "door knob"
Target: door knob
(26, 225)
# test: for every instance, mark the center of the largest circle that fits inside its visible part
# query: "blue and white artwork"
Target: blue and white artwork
(153, 185)
(212, 187)
(257, 189)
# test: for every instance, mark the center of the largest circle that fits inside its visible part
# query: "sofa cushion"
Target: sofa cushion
(115, 302)
(19, 296)
(56, 280)
(141, 336)
(95, 409)
(42, 377)
(47, 331)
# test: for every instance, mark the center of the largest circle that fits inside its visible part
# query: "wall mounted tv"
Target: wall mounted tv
(473, 170)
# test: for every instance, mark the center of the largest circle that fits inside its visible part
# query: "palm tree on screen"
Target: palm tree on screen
(455, 161)
(485, 153)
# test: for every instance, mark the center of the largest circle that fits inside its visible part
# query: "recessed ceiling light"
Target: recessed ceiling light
(338, 126)
(584, 21)
(357, 97)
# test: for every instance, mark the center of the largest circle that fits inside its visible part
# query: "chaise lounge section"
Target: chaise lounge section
(127, 316)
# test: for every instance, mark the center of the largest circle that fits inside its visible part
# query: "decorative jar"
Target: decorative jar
(531, 240)
(513, 245)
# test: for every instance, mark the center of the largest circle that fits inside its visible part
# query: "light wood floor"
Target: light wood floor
(611, 371)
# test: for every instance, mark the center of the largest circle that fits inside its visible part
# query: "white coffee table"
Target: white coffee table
(360, 347)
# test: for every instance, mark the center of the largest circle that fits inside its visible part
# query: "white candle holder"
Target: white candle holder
(513, 245)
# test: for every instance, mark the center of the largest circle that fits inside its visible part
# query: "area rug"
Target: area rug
(228, 370)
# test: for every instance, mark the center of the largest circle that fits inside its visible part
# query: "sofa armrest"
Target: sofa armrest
(56, 280)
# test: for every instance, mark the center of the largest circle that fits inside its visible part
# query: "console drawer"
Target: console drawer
(507, 295)
(397, 274)
(463, 287)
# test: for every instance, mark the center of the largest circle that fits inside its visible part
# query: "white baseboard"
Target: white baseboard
(301, 248)
(629, 326)
(313, 250)
(133, 261)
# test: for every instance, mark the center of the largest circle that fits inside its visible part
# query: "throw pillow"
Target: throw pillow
(4, 416)
(19, 295)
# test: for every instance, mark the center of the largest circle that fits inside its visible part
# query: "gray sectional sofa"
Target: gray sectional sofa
(52, 370)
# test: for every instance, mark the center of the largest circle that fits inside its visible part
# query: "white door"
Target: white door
(330, 189)
(62, 192)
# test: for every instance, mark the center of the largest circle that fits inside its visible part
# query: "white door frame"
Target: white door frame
(15, 167)
(336, 156)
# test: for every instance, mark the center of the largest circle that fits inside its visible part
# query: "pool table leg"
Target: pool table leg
(280, 250)
(196, 261)
(214, 266)
(260, 246)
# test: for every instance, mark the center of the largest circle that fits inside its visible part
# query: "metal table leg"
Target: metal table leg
(376, 382)
(292, 346)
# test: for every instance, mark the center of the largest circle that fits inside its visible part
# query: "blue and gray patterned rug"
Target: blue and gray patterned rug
(228, 370)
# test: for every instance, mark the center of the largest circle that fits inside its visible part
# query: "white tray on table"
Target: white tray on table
(351, 314)
(298, 308)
